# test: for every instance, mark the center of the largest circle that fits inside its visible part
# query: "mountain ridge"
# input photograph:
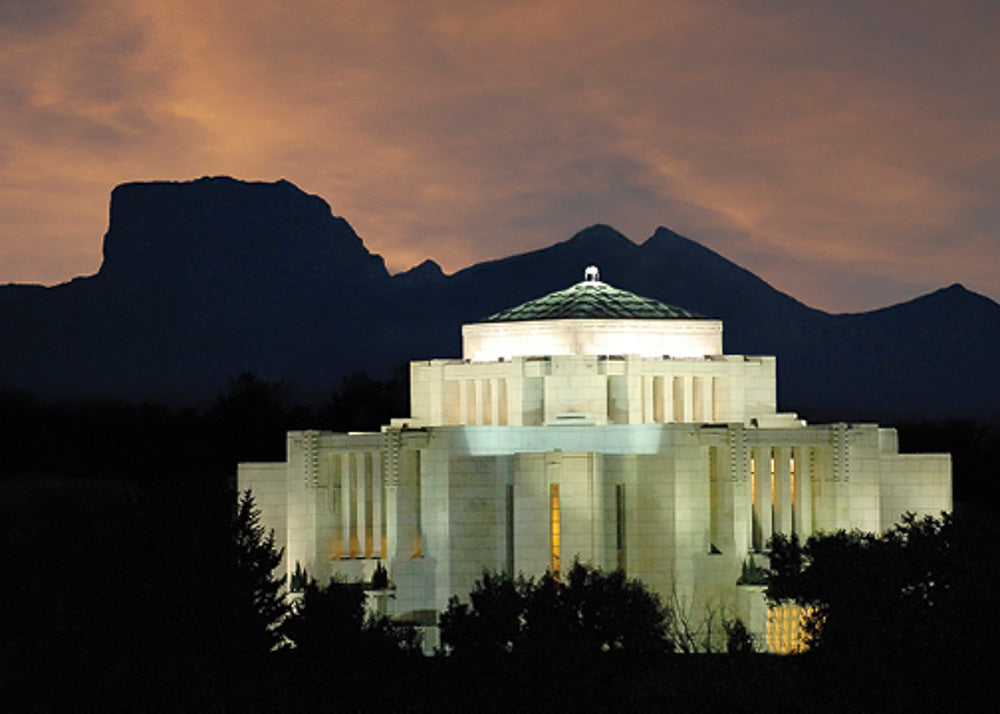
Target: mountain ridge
(204, 279)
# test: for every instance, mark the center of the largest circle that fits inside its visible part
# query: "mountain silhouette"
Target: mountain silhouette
(204, 279)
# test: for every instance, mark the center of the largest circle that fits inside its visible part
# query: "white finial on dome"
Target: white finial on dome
(591, 274)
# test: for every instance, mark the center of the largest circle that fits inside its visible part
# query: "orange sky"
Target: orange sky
(848, 153)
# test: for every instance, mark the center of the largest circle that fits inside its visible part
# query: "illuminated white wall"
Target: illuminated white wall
(618, 390)
(491, 341)
(693, 496)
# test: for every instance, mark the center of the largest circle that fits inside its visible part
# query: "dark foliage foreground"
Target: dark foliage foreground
(584, 615)
(917, 604)
(150, 614)
(128, 599)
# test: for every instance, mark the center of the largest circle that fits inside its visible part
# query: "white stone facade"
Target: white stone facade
(493, 341)
(676, 469)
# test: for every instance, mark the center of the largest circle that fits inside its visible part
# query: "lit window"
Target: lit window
(786, 628)
(791, 488)
(554, 527)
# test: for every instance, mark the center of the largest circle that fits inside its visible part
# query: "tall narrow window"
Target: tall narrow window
(791, 487)
(659, 414)
(503, 418)
(471, 404)
(754, 520)
(487, 403)
(620, 525)
(354, 543)
(336, 476)
(714, 501)
(771, 529)
(369, 506)
(509, 565)
(418, 543)
(554, 529)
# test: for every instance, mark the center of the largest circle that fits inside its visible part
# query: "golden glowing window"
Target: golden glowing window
(554, 527)
(791, 488)
(786, 628)
(772, 478)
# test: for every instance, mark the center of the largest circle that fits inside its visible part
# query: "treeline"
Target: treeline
(246, 421)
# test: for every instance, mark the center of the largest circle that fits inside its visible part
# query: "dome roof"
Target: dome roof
(591, 299)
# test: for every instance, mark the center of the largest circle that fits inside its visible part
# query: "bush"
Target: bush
(586, 613)
(330, 623)
(739, 641)
(926, 585)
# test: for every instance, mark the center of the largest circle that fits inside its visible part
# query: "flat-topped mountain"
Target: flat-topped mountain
(205, 279)
(220, 229)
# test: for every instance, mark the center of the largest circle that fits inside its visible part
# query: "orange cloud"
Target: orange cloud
(819, 146)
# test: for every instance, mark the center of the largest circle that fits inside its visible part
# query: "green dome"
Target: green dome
(592, 299)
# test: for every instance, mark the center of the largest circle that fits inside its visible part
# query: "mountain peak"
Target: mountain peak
(426, 272)
(599, 234)
(664, 233)
(955, 298)
(221, 228)
(664, 237)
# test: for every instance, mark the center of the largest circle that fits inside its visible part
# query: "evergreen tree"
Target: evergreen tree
(258, 600)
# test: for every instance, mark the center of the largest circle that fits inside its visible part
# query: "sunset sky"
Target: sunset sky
(846, 152)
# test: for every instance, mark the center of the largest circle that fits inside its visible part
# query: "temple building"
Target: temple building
(596, 424)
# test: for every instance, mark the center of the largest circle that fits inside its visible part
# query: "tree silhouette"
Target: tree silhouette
(329, 623)
(249, 420)
(493, 622)
(927, 585)
(362, 403)
(259, 594)
(587, 613)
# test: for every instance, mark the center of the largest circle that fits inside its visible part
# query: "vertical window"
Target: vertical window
(369, 505)
(659, 415)
(620, 526)
(487, 403)
(418, 544)
(772, 492)
(353, 543)
(510, 531)
(754, 537)
(714, 501)
(503, 418)
(554, 529)
(470, 401)
(791, 487)
(336, 489)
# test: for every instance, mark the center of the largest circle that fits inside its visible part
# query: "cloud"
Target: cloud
(817, 145)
